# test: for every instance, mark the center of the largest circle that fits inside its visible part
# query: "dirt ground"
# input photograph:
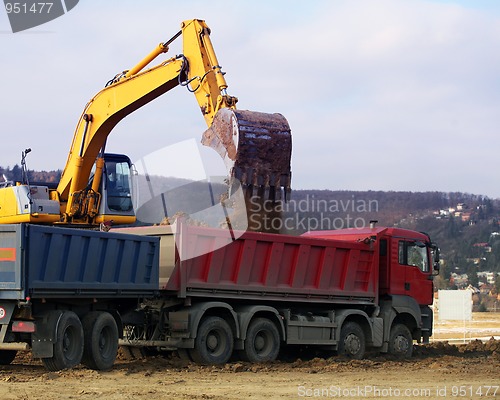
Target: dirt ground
(439, 370)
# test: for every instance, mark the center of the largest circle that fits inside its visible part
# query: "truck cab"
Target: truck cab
(407, 262)
(408, 267)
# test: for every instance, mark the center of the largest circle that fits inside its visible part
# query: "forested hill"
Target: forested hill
(393, 207)
(387, 207)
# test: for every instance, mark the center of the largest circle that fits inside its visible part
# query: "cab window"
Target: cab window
(118, 186)
(414, 254)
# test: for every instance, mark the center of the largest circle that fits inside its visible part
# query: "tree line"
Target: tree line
(14, 174)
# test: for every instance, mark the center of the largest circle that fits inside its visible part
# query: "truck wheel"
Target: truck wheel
(352, 341)
(7, 356)
(68, 348)
(400, 341)
(214, 342)
(100, 340)
(262, 342)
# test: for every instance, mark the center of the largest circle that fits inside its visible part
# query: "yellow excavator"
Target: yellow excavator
(95, 186)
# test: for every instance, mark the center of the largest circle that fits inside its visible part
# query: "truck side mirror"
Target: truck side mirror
(435, 252)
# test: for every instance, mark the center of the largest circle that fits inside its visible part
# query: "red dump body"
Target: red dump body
(274, 267)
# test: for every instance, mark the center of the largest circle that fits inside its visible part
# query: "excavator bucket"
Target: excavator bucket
(256, 148)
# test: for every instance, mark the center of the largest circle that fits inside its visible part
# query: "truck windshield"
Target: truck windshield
(415, 254)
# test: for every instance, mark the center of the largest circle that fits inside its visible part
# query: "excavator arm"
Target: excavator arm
(256, 147)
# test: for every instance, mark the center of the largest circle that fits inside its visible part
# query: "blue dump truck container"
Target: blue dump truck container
(64, 291)
(41, 261)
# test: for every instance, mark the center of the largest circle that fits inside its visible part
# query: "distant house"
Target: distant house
(486, 277)
(459, 280)
(444, 213)
(488, 290)
(473, 289)
(485, 246)
(466, 216)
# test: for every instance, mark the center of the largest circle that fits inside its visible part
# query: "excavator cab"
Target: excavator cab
(115, 204)
(106, 198)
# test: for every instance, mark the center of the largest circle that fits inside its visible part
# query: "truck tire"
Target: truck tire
(400, 341)
(100, 340)
(7, 356)
(352, 341)
(68, 349)
(262, 343)
(214, 342)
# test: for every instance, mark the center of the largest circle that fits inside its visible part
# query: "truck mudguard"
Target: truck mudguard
(246, 313)
(44, 338)
(342, 315)
(197, 311)
(399, 305)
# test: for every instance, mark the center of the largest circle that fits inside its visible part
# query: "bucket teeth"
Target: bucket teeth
(256, 148)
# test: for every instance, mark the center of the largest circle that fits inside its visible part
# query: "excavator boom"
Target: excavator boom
(256, 147)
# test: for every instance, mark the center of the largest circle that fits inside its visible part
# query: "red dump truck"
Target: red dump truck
(71, 296)
(344, 290)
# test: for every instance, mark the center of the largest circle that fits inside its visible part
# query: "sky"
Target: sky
(394, 95)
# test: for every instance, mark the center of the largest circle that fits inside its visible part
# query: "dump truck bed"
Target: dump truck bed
(42, 261)
(217, 263)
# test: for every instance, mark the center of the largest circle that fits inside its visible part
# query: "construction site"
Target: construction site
(117, 285)
(441, 369)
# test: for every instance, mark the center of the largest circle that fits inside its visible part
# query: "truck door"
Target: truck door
(414, 256)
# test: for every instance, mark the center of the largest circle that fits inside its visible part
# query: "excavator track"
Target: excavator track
(256, 148)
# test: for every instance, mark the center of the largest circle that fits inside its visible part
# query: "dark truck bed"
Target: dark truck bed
(41, 261)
